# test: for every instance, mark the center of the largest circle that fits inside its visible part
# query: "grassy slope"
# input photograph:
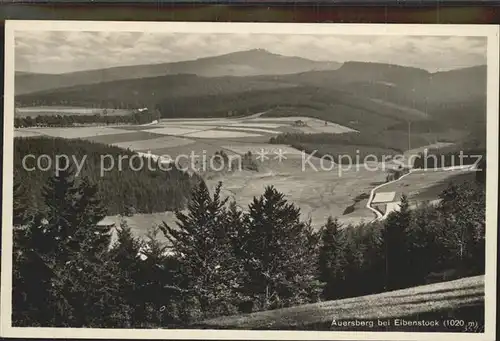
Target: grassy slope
(461, 297)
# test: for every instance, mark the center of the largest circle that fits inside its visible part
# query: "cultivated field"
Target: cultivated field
(128, 136)
(253, 126)
(26, 133)
(319, 192)
(220, 134)
(155, 143)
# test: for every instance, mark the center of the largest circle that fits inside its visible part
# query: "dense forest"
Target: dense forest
(468, 151)
(435, 159)
(143, 117)
(354, 111)
(353, 144)
(125, 186)
(222, 260)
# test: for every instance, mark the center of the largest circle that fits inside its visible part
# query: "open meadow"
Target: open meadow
(425, 184)
(420, 186)
(459, 299)
(318, 192)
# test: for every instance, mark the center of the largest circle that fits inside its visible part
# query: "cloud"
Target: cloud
(57, 52)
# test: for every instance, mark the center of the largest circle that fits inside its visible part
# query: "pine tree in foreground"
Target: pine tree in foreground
(332, 259)
(19, 204)
(156, 292)
(395, 244)
(426, 251)
(202, 244)
(464, 210)
(73, 284)
(37, 247)
(125, 252)
(279, 253)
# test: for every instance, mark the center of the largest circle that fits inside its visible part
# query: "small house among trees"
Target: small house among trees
(106, 222)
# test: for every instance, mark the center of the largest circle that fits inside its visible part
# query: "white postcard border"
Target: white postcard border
(490, 31)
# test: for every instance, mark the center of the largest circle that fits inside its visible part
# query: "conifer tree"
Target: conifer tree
(19, 204)
(38, 246)
(280, 254)
(463, 207)
(425, 250)
(126, 249)
(202, 243)
(20, 282)
(59, 195)
(73, 284)
(332, 259)
(395, 244)
(89, 211)
(237, 223)
(125, 252)
(154, 282)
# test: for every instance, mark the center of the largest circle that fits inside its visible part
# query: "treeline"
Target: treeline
(437, 159)
(345, 154)
(124, 186)
(222, 260)
(77, 98)
(146, 116)
(395, 141)
(372, 146)
(341, 107)
(222, 161)
(179, 99)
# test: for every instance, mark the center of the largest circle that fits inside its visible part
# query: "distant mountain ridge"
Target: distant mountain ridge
(243, 63)
(357, 94)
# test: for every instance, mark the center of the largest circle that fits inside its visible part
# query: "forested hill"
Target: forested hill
(359, 95)
(242, 63)
(120, 189)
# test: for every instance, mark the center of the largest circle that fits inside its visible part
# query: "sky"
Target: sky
(60, 51)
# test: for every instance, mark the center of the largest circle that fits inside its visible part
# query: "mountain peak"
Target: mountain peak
(257, 51)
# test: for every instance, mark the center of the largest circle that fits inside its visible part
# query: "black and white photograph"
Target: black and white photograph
(248, 180)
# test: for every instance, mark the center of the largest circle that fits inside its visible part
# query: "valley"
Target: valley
(353, 109)
(320, 191)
